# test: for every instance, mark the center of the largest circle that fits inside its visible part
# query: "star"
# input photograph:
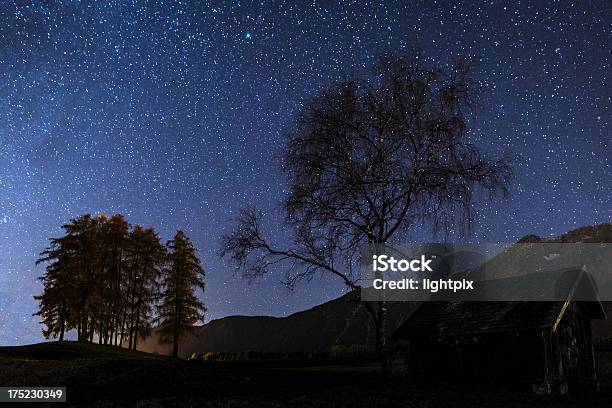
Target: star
(175, 117)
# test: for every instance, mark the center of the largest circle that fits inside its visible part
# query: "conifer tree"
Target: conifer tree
(71, 291)
(112, 236)
(102, 280)
(54, 302)
(146, 258)
(180, 309)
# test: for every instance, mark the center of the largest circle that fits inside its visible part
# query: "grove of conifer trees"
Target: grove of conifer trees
(111, 283)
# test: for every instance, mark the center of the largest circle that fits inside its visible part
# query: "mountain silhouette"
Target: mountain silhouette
(342, 321)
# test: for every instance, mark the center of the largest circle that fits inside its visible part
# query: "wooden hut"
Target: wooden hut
(544, 345)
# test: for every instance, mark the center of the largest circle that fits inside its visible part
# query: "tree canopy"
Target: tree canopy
(104, 279)
(366, 160)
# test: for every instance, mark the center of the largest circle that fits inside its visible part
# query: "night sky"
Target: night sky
(173, 114)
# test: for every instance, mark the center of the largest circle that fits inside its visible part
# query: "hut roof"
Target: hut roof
(456, 318)
(465, 318)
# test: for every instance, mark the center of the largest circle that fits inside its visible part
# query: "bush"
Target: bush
(352, 352)
(255, 355)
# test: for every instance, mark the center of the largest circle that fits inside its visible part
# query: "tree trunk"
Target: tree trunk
(175, 340)
(62, 329)
(378, 313)
(381, 340)
(128, 302)
(139, 301)
(177, 316)
(91, 332)
(175, 344)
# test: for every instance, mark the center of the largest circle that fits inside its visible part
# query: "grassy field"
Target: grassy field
(104, 376)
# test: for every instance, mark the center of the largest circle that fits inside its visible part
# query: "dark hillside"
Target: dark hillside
(342, 321)
(70, 350)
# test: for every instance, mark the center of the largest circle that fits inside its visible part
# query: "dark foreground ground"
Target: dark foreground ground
(103, 376)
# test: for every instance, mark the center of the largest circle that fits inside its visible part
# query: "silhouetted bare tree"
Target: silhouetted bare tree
(366, 160)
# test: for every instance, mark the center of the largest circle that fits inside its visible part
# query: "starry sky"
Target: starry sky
(173, 112)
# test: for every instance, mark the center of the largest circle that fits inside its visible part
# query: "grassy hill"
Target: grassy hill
(108, 376)
(71, 350)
